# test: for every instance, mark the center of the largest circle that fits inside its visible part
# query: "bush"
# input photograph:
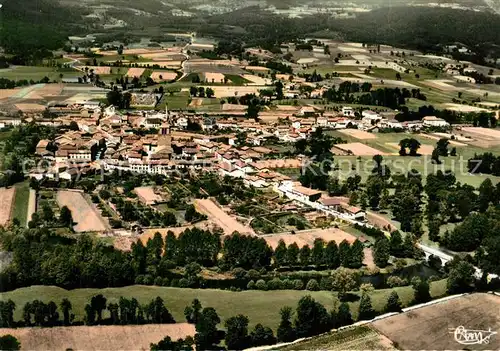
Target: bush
(288, 284)
(148, 279)
(183, 283)
(165, 282)
(275, 284)
(298, 284)
(326, 283)
(261, 285)
(251, 285)
(394, 281)
(139, 280)
(312, 285)
(239, 273)
(158, 281)
(252, 274)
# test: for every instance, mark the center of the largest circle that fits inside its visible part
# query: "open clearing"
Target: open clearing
(260, 306)
(358, 134)
(464, 108)
(123, 337)
(221, 218)
(7, 200)
(432, 327)
(86, 218)
(487, 132)
(147, 195)
(97, 69)
(307, 237)
(159, 76)
(213, 77)
(135, 72)
(255, 79)
(226, 91)
(356, 338)
(357, 149)
(423, 150)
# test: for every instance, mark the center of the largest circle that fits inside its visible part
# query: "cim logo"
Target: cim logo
(471, 336)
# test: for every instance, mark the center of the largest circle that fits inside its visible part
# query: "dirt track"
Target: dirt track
(221, 218)
(127, 337)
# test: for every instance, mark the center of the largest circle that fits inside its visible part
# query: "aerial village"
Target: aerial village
(181, 115)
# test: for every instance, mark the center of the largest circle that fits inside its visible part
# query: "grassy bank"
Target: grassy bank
(260, 306)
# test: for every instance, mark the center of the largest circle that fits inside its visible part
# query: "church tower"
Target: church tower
(164, 137)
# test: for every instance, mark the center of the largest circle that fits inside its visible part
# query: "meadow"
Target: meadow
(260, 306)
(21, 201)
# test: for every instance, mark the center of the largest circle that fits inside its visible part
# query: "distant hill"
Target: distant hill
(422, 26)
(28, 25)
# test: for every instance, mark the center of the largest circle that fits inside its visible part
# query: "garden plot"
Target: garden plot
(159, 76)
(356, 149)
(213, 77)
(256, 79)
(7, 93)
(220, 218)
(226, 91)
(464, 108)
(135, 72)
(147, 195)
(441, 84)
(437, 136)
(307, 237)
(97, 69)
(358, 134)
(7, 201)
(307, 60)
(424, 149)
(86, 217)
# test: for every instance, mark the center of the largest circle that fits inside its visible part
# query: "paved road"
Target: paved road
(444, 256)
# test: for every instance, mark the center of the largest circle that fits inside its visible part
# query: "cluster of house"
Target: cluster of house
(160, 142)
(373, 121)
(337, 206)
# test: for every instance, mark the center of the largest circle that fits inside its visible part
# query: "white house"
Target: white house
(181, 122)
(433, 121)
(348, 111)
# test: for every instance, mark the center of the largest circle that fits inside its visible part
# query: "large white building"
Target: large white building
(433, 121)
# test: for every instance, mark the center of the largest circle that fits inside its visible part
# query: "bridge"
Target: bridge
(428, 251)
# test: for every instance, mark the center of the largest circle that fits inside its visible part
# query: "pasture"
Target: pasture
(21, 201)
(260, 306)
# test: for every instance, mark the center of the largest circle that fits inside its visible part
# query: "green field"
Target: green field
(260, 306)
(236, 79)
(177, 101)
(36, 73)
(324, 69)
(423, 164)
(21, 201)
